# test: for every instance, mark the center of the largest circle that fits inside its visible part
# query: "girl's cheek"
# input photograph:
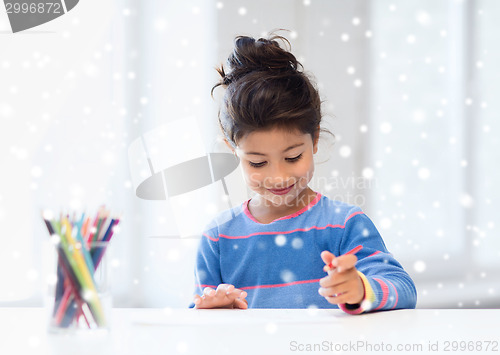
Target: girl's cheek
(256, 183)
(253, 178)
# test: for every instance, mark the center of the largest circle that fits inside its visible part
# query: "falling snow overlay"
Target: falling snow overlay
(408, 88)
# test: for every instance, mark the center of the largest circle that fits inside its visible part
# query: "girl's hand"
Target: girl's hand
(343, 284)
(226, 296)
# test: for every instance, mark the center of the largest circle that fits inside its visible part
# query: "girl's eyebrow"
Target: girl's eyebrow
(284, 151)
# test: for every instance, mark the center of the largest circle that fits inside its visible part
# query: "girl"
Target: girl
(271, 251)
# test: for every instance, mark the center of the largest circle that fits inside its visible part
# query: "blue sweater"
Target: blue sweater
(279, 264)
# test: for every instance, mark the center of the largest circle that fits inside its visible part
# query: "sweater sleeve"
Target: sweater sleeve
(387, 285)
(207, 270)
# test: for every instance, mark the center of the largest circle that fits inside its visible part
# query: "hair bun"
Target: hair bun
(251, 55)
(266, 87)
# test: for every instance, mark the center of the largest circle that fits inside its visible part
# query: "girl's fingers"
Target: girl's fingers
(345, 262)
(349, 291)
(201, 302)
(225, 295)
(208, 291)
(240, 303)
(242, 294)
(332, 291)
(236, 293)
(339, 299)
(327, 257)
(336, 295)
(197, 300)
(337, 278)
(224, 289)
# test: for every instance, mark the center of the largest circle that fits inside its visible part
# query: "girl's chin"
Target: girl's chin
(289, 199)
(280, 200)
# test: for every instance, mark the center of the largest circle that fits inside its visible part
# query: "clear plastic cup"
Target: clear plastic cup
(79, 296)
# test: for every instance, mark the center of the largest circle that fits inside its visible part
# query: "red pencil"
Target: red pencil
(352, 251)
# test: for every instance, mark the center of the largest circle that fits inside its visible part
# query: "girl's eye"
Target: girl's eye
(261, 164)
(294, 158)
(256, 165)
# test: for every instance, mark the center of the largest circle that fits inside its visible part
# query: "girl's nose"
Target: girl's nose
(279, 178)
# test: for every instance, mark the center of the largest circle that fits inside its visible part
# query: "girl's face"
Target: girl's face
(277, 164)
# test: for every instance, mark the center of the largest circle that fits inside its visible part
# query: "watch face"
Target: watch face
(25, 14)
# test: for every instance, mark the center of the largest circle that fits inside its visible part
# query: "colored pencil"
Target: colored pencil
(352, 251)
(78, 259)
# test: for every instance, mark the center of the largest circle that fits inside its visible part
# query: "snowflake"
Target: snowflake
(385, 223)
(280, 240)
(466, 200)
(345, 151)
(385, 127)
(423, 18)
(287, 276)
(351, 70)
(419, 266)
(424, 173)
(297, 243)
(271, 328)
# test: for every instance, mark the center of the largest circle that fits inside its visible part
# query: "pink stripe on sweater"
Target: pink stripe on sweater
(247, 211)
(308, 207)
(396, 291)
(209, 237)
(385, 291)
(352, 215)
(377, 252)
(280, 232)
(279, 285)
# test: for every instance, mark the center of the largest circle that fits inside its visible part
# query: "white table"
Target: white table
(258, 332)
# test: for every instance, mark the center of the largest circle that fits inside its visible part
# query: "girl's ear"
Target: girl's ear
(230, 146)
(315, 141)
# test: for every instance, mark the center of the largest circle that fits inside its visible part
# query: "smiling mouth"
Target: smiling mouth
(282, 191)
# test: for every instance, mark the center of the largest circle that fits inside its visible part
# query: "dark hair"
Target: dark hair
(266, 87)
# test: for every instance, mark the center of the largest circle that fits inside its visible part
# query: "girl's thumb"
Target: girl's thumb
(327, 257)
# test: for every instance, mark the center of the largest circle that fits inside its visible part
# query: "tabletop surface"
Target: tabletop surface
(259, 331)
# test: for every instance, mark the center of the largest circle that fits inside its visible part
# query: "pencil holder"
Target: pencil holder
(77, 302)
(79, 294)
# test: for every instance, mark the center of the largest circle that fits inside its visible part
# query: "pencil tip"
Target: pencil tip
(47, 215)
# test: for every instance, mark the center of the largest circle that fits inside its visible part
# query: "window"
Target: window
(433, 144)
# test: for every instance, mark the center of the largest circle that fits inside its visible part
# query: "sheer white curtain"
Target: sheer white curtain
(171, 46)
(63, 132)
(434, 146)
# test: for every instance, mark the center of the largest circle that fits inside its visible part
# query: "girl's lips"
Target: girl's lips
(281, 191)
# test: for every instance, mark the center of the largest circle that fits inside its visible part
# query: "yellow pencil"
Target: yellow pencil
(90, 295)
